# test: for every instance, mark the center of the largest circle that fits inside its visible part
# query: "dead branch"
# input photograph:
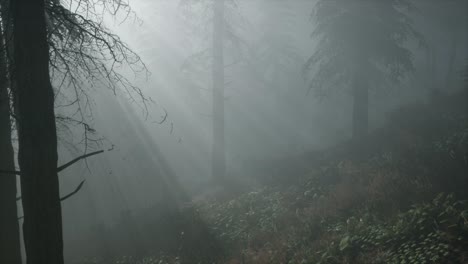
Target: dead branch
(74, 192)
(66, 196)
(163, 118)
(10, 172)
(68, 164)
(62, 198)
(64, 166)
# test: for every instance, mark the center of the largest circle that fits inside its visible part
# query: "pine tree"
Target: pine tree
(360, 47)
(221, 16)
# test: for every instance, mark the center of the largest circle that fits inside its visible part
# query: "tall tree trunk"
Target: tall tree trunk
(452, 61)
(10, 248)
(360, 109)
(431, 80)
(466, 92)
(37, 154)
(218, 152)
(466, 108)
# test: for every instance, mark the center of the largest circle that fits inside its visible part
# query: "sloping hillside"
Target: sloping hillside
(399, 198)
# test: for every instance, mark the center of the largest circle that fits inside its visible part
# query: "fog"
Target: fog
(278, 121)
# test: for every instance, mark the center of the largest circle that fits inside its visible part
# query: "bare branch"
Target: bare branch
(10, 172)
(64, 166)
(78, 188)
(164, 118)
(74, 192)
(68, 164)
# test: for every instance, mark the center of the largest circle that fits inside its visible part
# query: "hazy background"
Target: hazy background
(269, 111)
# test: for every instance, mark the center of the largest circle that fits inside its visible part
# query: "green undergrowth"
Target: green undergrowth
(401, 200)
(266, 227)
(434, 232)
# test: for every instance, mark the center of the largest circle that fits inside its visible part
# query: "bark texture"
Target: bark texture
(10, 249)
(37, 154)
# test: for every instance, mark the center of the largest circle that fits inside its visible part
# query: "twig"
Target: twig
(74, 192)
(163, 118)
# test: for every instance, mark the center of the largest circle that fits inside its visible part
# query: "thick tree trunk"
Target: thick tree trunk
(37, 136)
(218, 151)
(10, 249)
(360, 109)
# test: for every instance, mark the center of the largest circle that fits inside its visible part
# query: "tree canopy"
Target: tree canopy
(360, 37)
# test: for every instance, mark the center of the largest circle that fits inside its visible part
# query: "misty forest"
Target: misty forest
(233, 131)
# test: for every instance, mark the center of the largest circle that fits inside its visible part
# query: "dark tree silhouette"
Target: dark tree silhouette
(360, 46)
(37, 136)
(447, 17)
(274, 59)
(220, 16)
(9, 228)
(48, 41)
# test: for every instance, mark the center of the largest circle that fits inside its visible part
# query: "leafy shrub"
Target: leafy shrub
(435, 232)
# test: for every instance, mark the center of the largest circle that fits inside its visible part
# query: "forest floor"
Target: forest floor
(400, 198)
